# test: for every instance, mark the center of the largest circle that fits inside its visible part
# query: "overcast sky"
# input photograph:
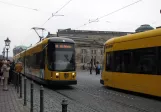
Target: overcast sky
(16, 22)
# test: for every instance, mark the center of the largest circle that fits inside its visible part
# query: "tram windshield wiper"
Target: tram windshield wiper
(66, 57)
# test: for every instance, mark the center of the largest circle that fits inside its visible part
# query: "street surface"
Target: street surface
(10, 101)
(90, 96)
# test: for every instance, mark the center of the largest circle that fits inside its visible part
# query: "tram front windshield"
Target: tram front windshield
(61, 57)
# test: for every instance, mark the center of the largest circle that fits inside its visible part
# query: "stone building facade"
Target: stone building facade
(18, 49)
(89, 44)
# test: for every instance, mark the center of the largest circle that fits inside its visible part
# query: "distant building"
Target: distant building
(19, 49)
(51, 35)
(89, 44)
(158, 27)
(143, 28)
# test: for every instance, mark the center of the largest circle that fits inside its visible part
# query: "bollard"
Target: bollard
(41, 99)
(20, 85)
(14, 74)
(64, 105)
(25, 103)
(32, 88)
(17, 82)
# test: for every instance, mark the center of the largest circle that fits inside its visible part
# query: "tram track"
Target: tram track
(121, 95)
(67, 93)
(72, 99)
(118, 102)
(103, 100)
(93, 109)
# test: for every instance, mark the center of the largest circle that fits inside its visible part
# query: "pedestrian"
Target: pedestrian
(1, 73)
(9, 79)
(91, 65)
(5, 69)
(98, 68)
(91, 69)
(83, 67)
(12, 66)
(18, 68)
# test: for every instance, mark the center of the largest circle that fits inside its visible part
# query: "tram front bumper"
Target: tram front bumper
(63, 82)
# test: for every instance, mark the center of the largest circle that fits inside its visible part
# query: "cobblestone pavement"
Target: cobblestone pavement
(126, 100)
(90, 96)
(10, 101)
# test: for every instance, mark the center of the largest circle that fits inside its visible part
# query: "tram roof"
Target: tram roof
(60, 39)
(51, 39)
(149, 33)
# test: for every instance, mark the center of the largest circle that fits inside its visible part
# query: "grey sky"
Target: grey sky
(16, 22)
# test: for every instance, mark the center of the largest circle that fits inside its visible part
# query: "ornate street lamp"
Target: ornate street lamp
(7, 45)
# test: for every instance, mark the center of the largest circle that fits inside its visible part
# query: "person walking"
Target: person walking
(5, 70)
(18, 69)
(98, 68)
(91, 65)
(11, 73)
(9, 78)
(1, 73)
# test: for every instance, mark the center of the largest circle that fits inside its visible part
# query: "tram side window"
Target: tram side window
(127, 59)
(117, 61)
(145, 61)
(159, 61)
(36, 60)
(27, 61)
(122, 61)
(21, 60)
(108, 61)
(32, 60)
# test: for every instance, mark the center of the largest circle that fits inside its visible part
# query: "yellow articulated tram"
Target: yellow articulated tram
(133, 62)
(51, 61)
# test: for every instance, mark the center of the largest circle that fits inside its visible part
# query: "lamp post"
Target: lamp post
(7, 45)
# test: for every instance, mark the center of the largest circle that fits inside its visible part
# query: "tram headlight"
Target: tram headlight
(73, 74)
(57, 74)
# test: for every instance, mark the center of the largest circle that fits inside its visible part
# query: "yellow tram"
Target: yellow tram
(133, 62)
(51, 61)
